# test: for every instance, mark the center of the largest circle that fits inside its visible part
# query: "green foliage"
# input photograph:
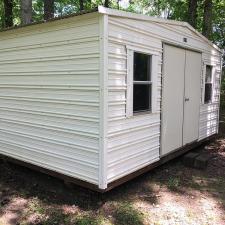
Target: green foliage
(86, 220)
(173, 183)
(2, 16)
(38, 10)
(219, 23)
(127, 215)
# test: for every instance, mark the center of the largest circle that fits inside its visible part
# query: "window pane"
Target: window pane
(208, 76)
(208, 93)
(141, 67)
(142, 97)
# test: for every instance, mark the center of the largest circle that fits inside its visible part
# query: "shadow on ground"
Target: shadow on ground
(28, 197)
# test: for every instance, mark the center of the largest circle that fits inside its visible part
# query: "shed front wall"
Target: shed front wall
(134, 142)
(49, 96)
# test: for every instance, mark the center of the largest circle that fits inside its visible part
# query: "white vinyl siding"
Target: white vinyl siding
(209, 113)
(134, 141)
(66, 93)
(49, 96)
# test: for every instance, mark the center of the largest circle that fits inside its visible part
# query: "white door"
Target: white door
(180, 98)
(172, 98)
(192, 96)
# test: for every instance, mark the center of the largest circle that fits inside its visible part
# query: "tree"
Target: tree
(8, 13)
(207, 19)
(218, 35)
(81, 2)
(106, 4)
(49, 9)
(26, 11)
(192, 12)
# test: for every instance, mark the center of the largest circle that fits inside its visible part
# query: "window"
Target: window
(142, 84)
(208, 84)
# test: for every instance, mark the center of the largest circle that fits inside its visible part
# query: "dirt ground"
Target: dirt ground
(168, 195)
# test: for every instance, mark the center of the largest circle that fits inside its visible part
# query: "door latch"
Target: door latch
(186, 99)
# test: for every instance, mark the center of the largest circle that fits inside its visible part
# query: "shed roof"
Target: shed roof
(119, 13)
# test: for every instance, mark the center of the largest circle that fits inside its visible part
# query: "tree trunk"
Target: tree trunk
(81, 2)
(207, 19)
(8, 11)
(106, 3)
(48, 9)
(26, 11)
(192, 12)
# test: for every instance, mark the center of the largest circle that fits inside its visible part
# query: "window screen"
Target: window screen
(208, 84)
(142, 86)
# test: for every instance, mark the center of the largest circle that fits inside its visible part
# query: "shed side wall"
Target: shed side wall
(49, 95)
(209, 113)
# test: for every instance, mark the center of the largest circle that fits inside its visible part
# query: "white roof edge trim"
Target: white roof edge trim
(119, 13)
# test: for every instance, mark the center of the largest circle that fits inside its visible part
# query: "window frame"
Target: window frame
(130, 81)
(147, 82)
(204, 83)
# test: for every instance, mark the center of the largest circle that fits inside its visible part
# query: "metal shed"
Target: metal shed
(101, 97)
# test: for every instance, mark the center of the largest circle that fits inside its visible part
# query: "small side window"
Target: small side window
(142, 83)
(208, 84)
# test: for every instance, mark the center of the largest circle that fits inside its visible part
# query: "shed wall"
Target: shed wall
(49, 96)
(209, 113)
(135, 142)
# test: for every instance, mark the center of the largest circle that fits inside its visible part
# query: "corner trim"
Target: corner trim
(103, 98)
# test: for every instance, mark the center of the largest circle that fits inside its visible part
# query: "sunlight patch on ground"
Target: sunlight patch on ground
(174, 209)
(13, 211)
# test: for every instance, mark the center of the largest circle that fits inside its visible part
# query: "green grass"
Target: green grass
(35, 206)
(173, 183)
(86, 220)
(125, 214)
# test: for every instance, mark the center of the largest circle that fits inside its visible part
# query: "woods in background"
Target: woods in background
(207, 16)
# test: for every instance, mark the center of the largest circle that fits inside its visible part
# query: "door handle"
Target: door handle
(186, 99)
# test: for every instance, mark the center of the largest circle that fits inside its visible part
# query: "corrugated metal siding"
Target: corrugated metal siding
(49, 95)
(134, 142)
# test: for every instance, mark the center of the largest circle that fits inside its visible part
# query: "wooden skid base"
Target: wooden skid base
(65, 178)
(68, 179)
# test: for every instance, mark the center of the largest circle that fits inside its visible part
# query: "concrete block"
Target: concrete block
(202, 160)
(189, 159)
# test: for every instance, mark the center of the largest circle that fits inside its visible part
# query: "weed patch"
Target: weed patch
(125, 214)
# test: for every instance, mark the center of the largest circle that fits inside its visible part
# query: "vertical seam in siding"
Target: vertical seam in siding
(161, 95)
(218, 113)
(185, 64)
(103, 23)
(200, 100)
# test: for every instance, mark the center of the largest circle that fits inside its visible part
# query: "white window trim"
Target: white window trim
(213, 82)
(154, 76)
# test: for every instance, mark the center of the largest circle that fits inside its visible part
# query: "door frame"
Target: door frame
(161, 92)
